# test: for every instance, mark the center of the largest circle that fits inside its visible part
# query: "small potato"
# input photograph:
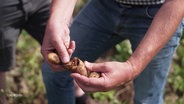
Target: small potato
(94, 75)
(53, 58)
(75, 65)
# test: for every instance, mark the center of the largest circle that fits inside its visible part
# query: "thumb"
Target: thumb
(96, 67)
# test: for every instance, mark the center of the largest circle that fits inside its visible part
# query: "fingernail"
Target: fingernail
(87, 64)
(65, 59)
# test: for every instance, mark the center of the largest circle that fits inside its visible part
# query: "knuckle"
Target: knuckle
(54, 41)
(67, 31)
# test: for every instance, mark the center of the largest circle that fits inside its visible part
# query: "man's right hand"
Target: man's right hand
(57, 39)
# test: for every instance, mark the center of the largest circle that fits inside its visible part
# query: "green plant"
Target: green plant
(26, 78)
(123, 51)
(106, 97)
(176, 76)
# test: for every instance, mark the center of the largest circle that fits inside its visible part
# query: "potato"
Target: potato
(75, 65)
(53, 58)
(94, 75)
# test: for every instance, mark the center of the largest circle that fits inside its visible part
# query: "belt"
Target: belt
(135, 5)
(131, 5)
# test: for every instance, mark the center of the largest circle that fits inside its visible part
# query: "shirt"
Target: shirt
(141, 2)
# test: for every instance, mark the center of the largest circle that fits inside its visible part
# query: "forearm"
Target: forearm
(159, 33)
(61, 10)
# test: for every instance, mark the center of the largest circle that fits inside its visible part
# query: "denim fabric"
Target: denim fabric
(99, 26)
(59, 86)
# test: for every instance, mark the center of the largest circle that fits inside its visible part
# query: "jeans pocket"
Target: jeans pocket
(151, 10)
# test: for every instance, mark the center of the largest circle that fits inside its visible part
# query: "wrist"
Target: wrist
(56, 19)
(134, 67)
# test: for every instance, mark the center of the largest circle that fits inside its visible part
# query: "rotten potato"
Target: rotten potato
(75, 65)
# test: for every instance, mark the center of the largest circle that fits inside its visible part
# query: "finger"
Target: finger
(62, 52)
(89, 84)
(82, 78)
(71, 48)
(45, 52)
(90, 88)
(72, 45)
(67, 43)
(97, 67)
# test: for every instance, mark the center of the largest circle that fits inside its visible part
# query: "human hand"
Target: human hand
(57, 39)
(113, 74)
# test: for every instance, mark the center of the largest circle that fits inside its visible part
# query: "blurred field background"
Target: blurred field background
(25, 85)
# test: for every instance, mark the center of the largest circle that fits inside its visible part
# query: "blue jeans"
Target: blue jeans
(59, 86)
(102, 24)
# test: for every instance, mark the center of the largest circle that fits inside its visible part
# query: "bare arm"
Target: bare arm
(161, 30)
(62, 10)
